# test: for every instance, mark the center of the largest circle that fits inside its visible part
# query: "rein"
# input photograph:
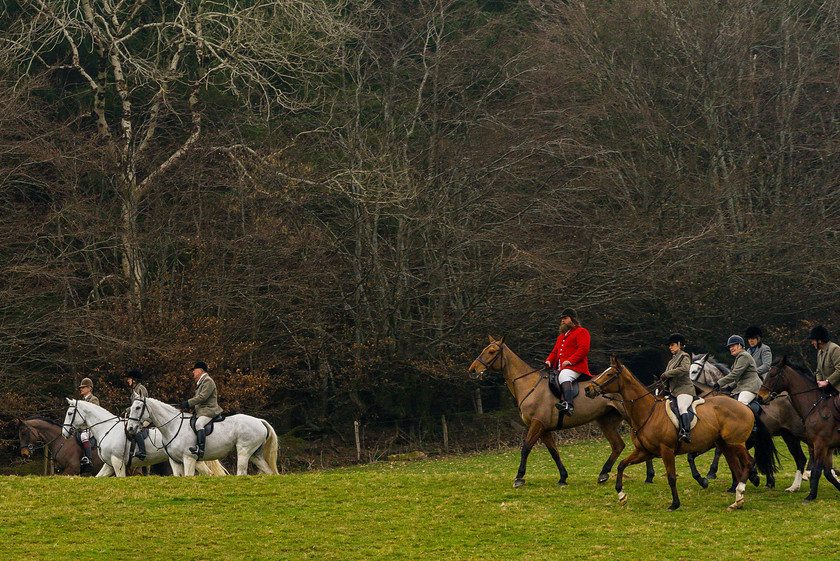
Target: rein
(624, 400)
(502, 367)
(774, 395)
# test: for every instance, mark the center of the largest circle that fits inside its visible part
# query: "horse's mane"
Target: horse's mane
(796, 367)
(45, 419)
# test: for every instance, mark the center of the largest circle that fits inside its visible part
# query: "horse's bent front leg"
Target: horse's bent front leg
(635, 457)
(106, 471)
(534, 431)
(691, 457)
(609, 428)
(548, 440)
(740, 463)
(189, 465)
(713, 467)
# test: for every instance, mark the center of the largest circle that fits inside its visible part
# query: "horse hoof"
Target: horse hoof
(711, 476)
(739, 504)
(622, 498)
(649, 481)
(704, 483)
(603, 478)
(731, 490)
(807, 500)
(562, 483)
(518, 483)
(770, 486)
(672, 508)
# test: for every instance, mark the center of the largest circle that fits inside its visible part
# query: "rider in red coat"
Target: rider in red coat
(569, 357)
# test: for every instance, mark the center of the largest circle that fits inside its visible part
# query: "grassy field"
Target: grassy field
(441, 508)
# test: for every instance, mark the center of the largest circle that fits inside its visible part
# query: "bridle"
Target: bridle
(31, 448)
(773, 394)
(487, 366)
(600, 391)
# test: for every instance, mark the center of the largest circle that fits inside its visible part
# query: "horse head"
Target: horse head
(138, 413)
(698, 365)
(491, 358)
(607, 381)
(775, 381)
(27, 445)
(72, 419)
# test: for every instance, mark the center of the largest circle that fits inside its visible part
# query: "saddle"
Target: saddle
(78, 436)
(835, 406)
(754, 405)
(208, 428)
(555, 385)
(141, 434)
(674, 412)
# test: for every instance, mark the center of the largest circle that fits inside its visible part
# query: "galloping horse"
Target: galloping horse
(721, 421)
(536, 408)
(779, 416)
(816, 410)
(254, 439)
(114, 447)
(39, 432)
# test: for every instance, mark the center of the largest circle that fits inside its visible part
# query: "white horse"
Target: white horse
(109, 431)
(254, 439)
(706, 370)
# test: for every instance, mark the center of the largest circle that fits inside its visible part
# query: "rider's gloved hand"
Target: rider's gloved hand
(716, 387)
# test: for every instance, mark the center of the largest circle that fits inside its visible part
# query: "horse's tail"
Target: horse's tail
(270, 448)
(214, 467)
(766, 455)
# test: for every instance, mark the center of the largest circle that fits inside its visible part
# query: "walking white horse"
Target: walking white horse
(109, 431)
(254, 439)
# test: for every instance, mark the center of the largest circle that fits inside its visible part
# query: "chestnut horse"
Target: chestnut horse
(815, 408)
(722, 421)
(535, 401)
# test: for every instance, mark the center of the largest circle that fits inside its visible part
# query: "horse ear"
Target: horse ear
(613, 360)
(69, 401)
(502, 340)
(492, 340)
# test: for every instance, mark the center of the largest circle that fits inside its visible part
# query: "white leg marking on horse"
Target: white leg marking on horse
(622, 497)
(797, 482)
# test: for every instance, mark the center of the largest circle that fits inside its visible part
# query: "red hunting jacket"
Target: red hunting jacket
(572, 346)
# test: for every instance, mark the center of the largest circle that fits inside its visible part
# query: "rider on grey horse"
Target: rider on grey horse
(205, 402)
(137, 390)
(677, 380)
(86, 389)
(743, 378)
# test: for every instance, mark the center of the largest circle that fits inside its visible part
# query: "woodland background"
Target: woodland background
(333, 202)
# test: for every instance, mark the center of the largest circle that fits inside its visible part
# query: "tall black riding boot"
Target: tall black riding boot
(566, 405)
(198, 449)
(140, 452)
(87, 459)
(685, 427)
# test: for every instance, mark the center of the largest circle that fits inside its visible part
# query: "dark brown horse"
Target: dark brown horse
(722, 422)
(816, 409)
(39, 432)
(535, 401)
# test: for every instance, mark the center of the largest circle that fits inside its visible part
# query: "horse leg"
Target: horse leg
(177, 469)
(668, 459)
(829, 473)
(609, 428)
(118, 465)
(548, 440)
(649, 473)
(534, 431)
(820, 452)
(795, 449)
(691, 456)
(189, 465)
(807, 473)
(635, 457)
(713, 467)
(106, 471)
(740, 463)
(242, 456)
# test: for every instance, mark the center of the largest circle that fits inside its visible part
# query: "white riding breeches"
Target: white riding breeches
(567, 375)
(683, 402)
(201, 422)
(84, 435)
(746, 397)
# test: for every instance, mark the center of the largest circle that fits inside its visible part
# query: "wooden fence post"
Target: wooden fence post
(358, 441)
(445, 435)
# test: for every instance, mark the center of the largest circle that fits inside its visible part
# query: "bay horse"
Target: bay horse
(39, 432)
(253, 439)
(535, 403)
(779, 416)
(721, 421)
(816, 409)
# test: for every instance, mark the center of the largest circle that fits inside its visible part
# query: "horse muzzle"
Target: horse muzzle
(592, 391)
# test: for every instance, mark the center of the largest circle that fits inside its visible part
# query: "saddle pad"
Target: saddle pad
(692, 408)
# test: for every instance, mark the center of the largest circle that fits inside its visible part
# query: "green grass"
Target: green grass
(441, 508)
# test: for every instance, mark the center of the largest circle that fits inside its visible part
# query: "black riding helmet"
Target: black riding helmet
(133, 374)
(677, 338)
(819, 333)
(753, 332)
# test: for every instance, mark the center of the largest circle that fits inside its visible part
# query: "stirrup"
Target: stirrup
(684, 435)
(85, 461)
(563, 406)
